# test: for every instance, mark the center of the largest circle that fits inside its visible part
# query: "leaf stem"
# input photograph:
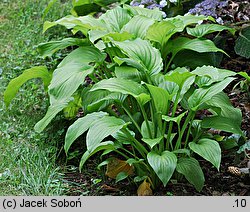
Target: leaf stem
(131, 118)
(190, 117)
(146, 120)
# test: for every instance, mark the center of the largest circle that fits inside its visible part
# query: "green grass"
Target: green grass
(28, 159)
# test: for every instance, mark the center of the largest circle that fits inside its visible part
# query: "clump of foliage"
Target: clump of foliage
(138, 104)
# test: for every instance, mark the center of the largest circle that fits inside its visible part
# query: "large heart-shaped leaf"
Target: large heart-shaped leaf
(138, 26)
(80, 126)
(155, 14)
(115, 19)
(126, 72)
(83, 23)
(198, 45)
(106, 145)
(127, 87)
(49, 48)
(14, 85)
(191, 19)
(102, 128)
(152, 142)
(185, 58)
(202, 95)
(163, 164)
(141, 55)
(183, 79)
(215, 74)
(162, 31)
(160, 97)
(145, 131)
(222, 123)
(192, 171)
(208, 149)
(67, 78)
(176, 119)
(99, 104)
(226, 109)
(72, 71)
(204, 29)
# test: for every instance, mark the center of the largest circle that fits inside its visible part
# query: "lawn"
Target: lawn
(28, 159)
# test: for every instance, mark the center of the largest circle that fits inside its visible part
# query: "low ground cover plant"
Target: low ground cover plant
(138, 102)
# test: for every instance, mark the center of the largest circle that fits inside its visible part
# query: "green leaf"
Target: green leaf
(102, 103)
(124, 86)
(83, 23)
(130, 73)
(208, 149)
(68, 21)
(107, 145)
(138, 26)
(191, 19)
(80, 126)
(198, 45)
(245, 75)
(107, 37)
(52, 111)
(204, 29)
(144, 129)
(49, 48)
(202, 95)
(122, 138)
(102, 128)
(160, 97)
(176, 119)
(162, 31)
(121, 176)
(185, 58)
(192, 171)
(67, 78)
(73, 107)
(115, 19)
(89, 97)
(72, 71)
(182, 151)
(155, 14)
(242, 44)
(104, 2)
(163, 164)
(142, 55)
(152, 142)
(15, 84)
(84, 7)
(222, 101)
(215, 74)
(222, 123)
(183, 78)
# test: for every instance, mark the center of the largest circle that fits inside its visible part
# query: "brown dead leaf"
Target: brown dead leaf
(115, 166)
(144, 189)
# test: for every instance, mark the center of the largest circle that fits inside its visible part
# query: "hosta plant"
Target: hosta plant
(137, 104)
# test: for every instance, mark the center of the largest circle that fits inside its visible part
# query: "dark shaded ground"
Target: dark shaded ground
(94, 183)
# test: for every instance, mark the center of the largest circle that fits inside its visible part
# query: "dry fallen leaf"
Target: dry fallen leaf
(144, 189)
(115, 166)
